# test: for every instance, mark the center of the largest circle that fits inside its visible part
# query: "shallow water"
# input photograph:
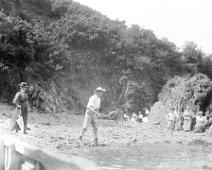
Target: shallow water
(152, 157)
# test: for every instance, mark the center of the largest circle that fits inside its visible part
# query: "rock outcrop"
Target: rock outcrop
(134, 96)
(194, 91)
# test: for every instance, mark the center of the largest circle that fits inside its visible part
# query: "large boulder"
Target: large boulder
(192, 90)
(134, 97)
(44, 98)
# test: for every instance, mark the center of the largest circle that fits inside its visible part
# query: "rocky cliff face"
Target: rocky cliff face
(193, 91)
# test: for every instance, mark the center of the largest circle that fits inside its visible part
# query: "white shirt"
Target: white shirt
(94, 102)
(201, 119)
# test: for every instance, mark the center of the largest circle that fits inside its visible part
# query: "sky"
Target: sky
(176, 20)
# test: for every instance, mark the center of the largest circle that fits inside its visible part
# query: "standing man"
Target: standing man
(20, 101)
(92, 110)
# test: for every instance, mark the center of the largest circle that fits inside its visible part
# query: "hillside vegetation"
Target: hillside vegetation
(70, 49)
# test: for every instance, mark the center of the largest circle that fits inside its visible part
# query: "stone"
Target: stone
(135, 140)
(156, 122)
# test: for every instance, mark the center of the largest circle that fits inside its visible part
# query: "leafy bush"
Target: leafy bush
(64, 38)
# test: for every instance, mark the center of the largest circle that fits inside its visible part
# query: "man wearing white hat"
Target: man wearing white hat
(92, 109)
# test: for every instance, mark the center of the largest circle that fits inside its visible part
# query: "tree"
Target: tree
(206, 66)
(191, 53)
(16, 49)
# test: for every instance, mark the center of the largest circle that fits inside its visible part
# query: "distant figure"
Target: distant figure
(140, 116)
(20, 101)
(187, 116)
(146, 112)
(92, 110)
(33, 95)
(171, 119)
(179, 121)
(134, 117)
(201, 122)
(126, 117)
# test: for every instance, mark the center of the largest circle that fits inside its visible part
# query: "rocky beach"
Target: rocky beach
(61, 130)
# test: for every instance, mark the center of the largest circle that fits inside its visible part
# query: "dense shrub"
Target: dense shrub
(46, 39)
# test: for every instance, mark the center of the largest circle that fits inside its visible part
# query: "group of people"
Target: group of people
(140, 117)
(21, 102)
(186, 120)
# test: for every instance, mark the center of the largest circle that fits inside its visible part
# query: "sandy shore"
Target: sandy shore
(61, 130)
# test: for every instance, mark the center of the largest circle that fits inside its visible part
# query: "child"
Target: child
(126, 117)
(201, 122)
(92, 109)
(140, 116)
(134, 117)
(171, 118)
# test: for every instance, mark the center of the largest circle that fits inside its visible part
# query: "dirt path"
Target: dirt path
(61, 130)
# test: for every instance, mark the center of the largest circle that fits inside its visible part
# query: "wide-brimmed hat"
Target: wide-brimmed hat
(100, 89)
(23, 84)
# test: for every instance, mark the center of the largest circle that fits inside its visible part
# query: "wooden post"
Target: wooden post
(2, 153)
(13, 159)
(19, 155)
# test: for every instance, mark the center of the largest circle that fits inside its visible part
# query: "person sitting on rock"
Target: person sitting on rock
(201, 122)
(126, 117)
(187, 116)
(171, 119)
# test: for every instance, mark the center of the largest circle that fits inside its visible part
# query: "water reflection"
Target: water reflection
(152, 157)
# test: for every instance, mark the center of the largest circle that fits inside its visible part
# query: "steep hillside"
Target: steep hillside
(70, 49)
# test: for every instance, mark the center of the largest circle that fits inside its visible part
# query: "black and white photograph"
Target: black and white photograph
(105, 85)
